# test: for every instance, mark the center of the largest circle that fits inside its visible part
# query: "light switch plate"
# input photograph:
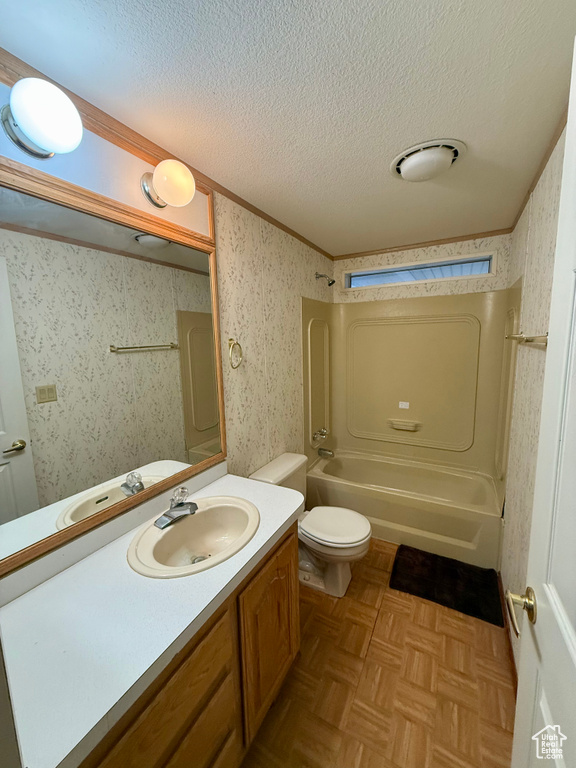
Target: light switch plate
(403, 404)
(46, 394)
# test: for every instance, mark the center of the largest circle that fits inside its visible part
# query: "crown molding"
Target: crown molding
(547, 155)
(427, 244)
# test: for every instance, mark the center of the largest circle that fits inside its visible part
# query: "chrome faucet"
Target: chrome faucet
(322, 434)
(324, 453)
(179, 508)
(133, 484)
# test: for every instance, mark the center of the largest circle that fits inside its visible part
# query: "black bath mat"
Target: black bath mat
(465, 588)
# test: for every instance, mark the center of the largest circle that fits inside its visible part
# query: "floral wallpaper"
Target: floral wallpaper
(499, 245)
(263, 273)
(114, 412)
(532, 258)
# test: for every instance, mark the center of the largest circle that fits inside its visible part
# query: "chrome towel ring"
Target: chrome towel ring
(235, 357)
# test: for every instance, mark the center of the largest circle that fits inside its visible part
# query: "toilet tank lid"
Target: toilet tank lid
(280, 468)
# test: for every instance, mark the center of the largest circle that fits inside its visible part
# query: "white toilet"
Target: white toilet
(330, 537)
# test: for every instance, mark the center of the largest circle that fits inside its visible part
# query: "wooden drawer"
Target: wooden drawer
(156, 733)
(205, 743)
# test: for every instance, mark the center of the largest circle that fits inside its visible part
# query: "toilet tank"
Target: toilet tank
(288, 470)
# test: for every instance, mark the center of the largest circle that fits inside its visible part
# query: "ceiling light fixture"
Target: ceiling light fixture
(171, 183)
(427, 160)
(40, 119)
(151, 242)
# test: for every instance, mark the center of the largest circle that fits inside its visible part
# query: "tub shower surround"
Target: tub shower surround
(416, 378)
(532, 258)
(415, 400)
(262, 275)
(113, 412)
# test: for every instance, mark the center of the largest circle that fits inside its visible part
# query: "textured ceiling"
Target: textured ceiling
(300, 106)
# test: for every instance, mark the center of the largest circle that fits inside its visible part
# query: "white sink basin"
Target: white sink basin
(220, 527)
(96, 500)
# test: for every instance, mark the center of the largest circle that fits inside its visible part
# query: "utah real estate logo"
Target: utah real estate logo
(549, 743)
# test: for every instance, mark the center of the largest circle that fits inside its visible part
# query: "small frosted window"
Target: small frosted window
(442, 270)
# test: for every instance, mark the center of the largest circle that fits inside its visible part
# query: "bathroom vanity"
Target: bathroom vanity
(207, 705)
(111, 668)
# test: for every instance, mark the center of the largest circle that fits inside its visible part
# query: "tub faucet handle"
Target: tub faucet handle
(321, 434)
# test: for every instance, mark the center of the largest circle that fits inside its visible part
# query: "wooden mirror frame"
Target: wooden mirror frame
(22, 178)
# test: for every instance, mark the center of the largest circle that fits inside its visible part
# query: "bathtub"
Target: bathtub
(447, 511)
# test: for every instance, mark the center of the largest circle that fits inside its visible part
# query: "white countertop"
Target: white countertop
(82, 646)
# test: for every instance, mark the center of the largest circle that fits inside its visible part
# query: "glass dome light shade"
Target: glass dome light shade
(174, 183)
(46, 115)
(152, 242)
(426, 164)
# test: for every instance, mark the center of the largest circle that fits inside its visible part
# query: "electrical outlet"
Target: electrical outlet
(46, 394)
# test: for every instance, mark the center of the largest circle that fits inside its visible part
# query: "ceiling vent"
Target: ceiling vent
(426, 160)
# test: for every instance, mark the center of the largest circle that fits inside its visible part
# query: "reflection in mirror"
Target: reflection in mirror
(107, 365)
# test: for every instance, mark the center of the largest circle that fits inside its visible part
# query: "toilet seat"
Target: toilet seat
(335, 527)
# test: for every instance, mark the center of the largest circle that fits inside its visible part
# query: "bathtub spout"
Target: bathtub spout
(324, 453)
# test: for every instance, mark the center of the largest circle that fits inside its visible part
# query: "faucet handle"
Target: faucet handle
(179, 497)
(133, 479)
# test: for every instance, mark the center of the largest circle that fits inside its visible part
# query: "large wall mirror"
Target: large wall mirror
(109, 366)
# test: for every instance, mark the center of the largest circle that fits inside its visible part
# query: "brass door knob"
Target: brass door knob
(17, 445)
(527, 602)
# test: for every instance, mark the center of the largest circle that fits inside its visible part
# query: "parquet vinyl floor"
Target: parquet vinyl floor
(388, 680)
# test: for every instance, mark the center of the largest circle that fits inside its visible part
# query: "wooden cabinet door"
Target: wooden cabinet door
(270, 632)
(197, 711)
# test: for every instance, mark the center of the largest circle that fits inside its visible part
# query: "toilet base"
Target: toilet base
(333, 579)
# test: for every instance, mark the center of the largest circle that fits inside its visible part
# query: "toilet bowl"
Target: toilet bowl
(331, 538)
(336, 537)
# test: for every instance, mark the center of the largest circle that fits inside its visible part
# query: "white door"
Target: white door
(18, 492)
(547, 670)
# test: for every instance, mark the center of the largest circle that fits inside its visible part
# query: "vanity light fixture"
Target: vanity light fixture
(151, 242)
(40, 119)
(427, 160)
(171, 183)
